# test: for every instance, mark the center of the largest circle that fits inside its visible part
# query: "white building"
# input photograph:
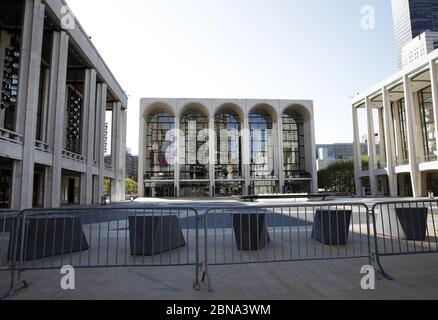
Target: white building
(224, 147)
(56, 93)
(419, 47)
(402, 112)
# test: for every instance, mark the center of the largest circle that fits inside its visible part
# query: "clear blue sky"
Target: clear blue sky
(286, 49)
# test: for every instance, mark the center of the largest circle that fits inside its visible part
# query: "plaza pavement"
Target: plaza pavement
(416, 276)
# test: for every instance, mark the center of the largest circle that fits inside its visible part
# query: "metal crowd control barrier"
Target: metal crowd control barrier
(9, 226)
(301, 232)
(105, 238)
(405, 227)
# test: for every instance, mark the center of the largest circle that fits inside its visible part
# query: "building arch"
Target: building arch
(228, 146)
(230, 106)
(303, 111)
(158, 106)
(264, 107)
(194, 106)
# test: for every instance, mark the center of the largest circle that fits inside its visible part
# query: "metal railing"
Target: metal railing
(109, 237)
(104, 238)
(405, 227)
(9, 227)
(269, 234)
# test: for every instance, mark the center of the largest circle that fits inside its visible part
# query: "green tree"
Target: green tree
(131, 186)
(338, 177)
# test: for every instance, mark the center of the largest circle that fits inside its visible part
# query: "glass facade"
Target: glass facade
(228, 145)
(412, 18)
(262, 147)
(228, 166)
(246, 154)
(159, 165)
(398, 110)
(363, 136)
(293, 145)
(379, 138)
(428, 124)
(158, 140)
(194, 146)
(424, 16)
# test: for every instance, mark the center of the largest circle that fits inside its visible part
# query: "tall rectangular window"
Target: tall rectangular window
(403, 130)
(428, 124)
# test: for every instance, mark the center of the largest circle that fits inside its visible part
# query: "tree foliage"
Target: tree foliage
(131, 187)
(338, 177)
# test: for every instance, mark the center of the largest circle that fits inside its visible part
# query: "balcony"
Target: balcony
(429, 158)
(10, 136)
(43, 147)
(402, 162)
(73, 156)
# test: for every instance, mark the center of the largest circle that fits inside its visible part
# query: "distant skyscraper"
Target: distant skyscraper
(411, 19)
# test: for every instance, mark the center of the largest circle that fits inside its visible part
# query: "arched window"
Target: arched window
(194, 147)
(262, 144)
(228, 145)
(159, 139)
(293, 145)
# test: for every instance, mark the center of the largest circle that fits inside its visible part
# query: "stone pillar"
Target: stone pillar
(141, 154)
(100, 155)
(281, 174)
(88, 133)
(211, 155)
(27, 104)
(246, 154)
(122, 153)
(115, 150)
(357, 154)
(371, 147)
(412, 141)
(389, 143)
(434, 84)
(57, 92)
(312, 155)
(179, 138)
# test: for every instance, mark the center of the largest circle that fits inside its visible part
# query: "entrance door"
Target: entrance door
(71, 191)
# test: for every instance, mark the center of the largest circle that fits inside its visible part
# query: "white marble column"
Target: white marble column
(281, 174)
(27, 104)
(122, 153)
(389, 143)
(101, 105)
(88, 117)
(57, 97)
(179, 138)
(412, 139)
(371, 147)
(211, 155)
(246, 154)
(357, 153)
(141, 153)
(115, 149)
